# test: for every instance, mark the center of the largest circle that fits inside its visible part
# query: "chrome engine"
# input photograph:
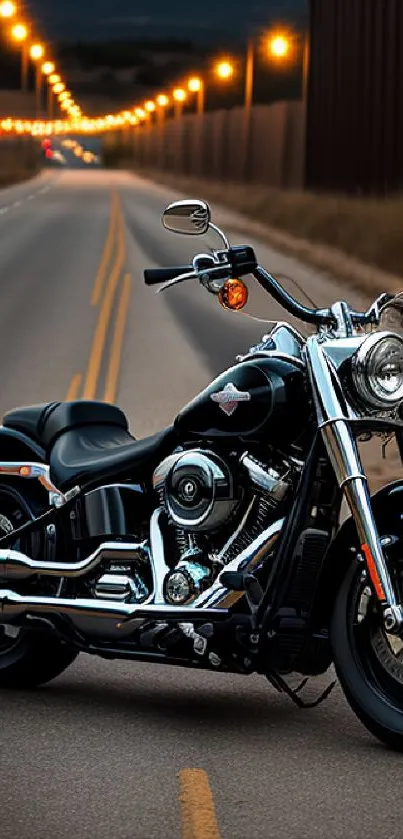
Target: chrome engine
(215, 510)
(211, 511)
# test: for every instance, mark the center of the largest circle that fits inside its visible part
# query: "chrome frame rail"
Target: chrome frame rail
(40, 472)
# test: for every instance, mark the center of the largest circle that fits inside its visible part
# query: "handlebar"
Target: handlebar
(241, 261)
(155, 276)
(270, 284)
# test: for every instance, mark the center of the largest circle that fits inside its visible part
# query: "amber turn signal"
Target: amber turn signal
(233, 295)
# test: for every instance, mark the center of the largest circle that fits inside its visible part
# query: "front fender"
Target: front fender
(387, 506)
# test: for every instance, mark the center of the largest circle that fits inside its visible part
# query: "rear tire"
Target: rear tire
(28, 658)
(370, 672)
(33, 660)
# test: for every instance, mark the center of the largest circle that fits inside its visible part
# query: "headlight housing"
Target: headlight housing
(377, 371)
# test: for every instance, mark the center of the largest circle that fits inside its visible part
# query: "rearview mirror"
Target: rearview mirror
(191, 218)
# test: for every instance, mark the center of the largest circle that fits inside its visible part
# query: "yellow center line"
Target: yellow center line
(198, 816)
(117, 342)
(107, 252)
(101, 332)
(74, 388)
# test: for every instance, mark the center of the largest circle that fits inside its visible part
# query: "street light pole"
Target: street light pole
(24, 67)
(249, 74)
(306, 55)
(201, 99)
(36, 53)
(248, 105)
(38, 87)
(50, 103)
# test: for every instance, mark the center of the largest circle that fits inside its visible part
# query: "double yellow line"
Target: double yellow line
(197, 810)
(106, 283)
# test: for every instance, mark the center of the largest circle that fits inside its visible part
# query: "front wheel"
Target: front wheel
(368, 661)
(28, 659)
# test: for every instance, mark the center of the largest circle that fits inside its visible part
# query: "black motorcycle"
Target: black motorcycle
(216, 544)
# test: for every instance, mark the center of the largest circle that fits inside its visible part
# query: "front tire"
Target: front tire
(369, 663)
(28, 659)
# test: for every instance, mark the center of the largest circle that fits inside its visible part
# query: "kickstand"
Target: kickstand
(281, 685)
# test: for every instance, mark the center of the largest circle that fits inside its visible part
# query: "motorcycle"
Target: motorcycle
(218, 543)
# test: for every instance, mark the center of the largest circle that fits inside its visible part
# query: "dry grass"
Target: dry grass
(370, 231)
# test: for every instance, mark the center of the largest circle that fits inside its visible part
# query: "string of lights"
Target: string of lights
(71, 118)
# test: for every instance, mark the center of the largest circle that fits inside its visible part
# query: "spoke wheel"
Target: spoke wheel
(369, 661)
(27, 658)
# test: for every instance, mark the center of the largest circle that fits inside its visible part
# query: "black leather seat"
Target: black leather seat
(30, 420)
(89, 442)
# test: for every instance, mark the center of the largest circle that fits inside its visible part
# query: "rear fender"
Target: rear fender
(16, 447)
(387, 506)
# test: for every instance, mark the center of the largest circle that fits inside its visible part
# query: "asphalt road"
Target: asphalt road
(109, 749)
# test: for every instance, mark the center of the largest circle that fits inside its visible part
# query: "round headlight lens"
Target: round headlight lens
(378, 370)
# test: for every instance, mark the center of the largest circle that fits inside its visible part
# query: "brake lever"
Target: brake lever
(181, 279)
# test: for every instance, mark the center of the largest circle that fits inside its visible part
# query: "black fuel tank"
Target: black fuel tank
(262, 399)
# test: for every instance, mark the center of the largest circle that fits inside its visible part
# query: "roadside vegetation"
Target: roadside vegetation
(320, 229)
(369, 230)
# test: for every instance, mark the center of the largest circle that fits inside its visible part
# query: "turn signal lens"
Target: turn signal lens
(233, 295)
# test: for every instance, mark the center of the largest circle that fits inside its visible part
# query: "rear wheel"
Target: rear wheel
(368, 661)
(27, 658)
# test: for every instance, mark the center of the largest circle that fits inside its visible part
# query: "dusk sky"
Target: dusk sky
(135, 18)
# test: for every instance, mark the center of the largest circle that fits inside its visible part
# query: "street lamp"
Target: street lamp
(196, 85)
(279, 46)
(225, 70)
(37, 52)
(19, 34)
(179, 96)
(54, 78)
(59, 87)
(162, 100)
(7, 9)
(48, 68)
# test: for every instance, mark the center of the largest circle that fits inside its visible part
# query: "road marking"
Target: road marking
(22, 201)
(74, 388)
(198, 816)
(107, 252)
(112, 377)
(98, 345)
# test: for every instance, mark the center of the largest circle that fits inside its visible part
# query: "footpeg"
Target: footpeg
(238, 581)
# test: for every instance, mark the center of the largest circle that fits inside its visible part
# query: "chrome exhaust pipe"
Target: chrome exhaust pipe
(97, 618)
(106, 618)
(17, 566)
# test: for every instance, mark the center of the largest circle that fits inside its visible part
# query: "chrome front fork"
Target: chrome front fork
(345, 460)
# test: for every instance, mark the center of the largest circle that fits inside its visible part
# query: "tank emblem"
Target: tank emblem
(229, 398)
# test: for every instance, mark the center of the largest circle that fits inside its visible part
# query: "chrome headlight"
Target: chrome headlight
(377, 370)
